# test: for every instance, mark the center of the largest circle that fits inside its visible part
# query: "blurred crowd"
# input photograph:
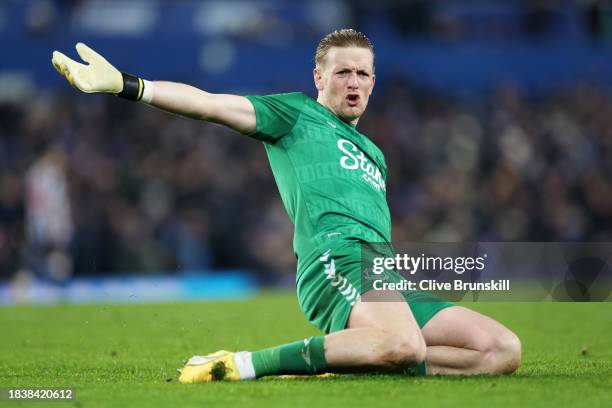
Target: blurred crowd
(508, 167)
(263, 21)
(94, 184)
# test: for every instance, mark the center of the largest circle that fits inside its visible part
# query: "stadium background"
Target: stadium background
(495, 118)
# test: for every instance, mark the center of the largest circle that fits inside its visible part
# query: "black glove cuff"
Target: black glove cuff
(133, 87)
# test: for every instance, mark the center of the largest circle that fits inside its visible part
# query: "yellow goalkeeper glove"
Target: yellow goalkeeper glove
(98, 76)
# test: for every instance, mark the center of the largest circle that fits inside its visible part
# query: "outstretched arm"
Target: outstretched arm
(99, 75)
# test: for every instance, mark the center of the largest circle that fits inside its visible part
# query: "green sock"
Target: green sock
(421, 369)
(302, 357)
(418, 370)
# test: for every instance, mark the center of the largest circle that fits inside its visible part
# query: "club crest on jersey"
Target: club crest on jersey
(355, 159)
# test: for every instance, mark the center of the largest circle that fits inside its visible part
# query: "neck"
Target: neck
(321, 101)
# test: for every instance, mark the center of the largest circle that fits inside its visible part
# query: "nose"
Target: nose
(353, 82)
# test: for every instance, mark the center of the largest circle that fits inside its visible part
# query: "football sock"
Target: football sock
(302, 357)
(417, 370)
(421, 369)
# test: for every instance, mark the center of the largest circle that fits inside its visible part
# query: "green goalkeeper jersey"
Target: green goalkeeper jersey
(331, 178)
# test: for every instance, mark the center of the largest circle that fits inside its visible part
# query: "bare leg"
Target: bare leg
(462, 341)
(385, 336)
(380, 335)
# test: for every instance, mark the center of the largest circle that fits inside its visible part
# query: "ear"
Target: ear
(318, 78)
(373, 82)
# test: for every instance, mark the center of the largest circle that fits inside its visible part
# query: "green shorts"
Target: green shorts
(329, 286)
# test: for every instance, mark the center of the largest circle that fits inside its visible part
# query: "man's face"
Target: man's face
(345, 81)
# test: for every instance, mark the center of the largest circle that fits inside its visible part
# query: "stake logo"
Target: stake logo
(354, 159)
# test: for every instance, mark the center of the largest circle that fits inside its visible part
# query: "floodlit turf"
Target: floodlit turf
(127, 355)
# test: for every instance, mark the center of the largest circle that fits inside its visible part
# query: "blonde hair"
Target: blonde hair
(346, 37)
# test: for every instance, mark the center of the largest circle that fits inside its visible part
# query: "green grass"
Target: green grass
(127, 355)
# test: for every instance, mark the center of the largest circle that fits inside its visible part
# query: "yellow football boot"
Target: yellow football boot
(217, 366)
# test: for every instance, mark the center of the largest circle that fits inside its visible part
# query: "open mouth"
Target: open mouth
(352, 99)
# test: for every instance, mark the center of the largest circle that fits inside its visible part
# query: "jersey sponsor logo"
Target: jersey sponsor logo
(354, 159)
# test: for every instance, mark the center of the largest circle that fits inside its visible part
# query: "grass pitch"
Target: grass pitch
(127, 355)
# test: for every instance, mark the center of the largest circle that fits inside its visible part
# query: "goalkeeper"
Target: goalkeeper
(331, 180)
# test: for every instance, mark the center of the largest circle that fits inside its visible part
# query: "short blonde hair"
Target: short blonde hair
(346, 37)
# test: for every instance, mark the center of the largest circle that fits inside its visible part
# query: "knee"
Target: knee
(402, 350)
(504, 353)
(510, 348)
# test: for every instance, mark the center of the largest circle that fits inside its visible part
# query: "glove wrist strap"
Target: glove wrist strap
(133, 87)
